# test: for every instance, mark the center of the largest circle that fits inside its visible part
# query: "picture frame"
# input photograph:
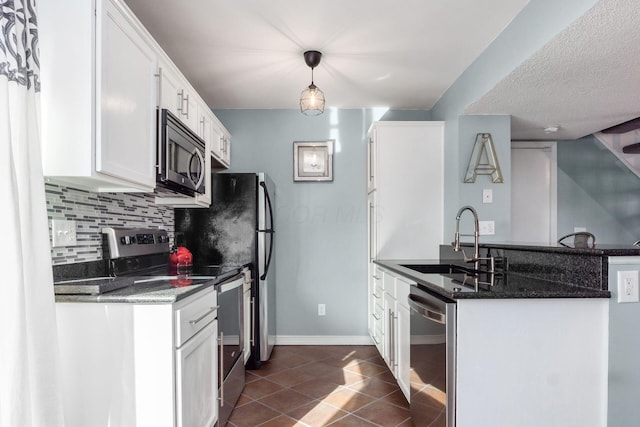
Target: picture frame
(313, 161)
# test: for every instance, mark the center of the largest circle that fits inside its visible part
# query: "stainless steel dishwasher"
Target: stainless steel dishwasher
(432, 359)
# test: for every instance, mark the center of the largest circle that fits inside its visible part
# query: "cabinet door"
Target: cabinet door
(403, 348)
(372, 221)
(170, 87)
(389, 333)
(126, 97)
(196, 379)
(221, 146)
(409, 181)
(190, 110)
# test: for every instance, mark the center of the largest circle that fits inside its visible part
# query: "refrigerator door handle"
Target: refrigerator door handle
(269, 230)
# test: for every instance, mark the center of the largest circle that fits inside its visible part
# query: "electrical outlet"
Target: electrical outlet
(63, 233)
(487, 195)
(579, 229)
(321, 310)
(487, 228)
(628, 286)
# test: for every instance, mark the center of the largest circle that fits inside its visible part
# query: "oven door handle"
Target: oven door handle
(233, 283)
(426, 311)
(221, 360)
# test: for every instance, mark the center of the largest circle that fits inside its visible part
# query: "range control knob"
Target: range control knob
(125, 240)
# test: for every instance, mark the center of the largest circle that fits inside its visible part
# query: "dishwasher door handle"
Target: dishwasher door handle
(427, 312)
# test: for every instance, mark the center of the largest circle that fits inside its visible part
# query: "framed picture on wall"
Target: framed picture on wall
(313, 160)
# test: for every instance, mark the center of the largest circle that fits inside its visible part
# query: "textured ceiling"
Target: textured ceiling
(584, 80)
(248, 53)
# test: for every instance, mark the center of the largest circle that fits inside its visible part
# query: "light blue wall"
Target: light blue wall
(471, 193)
(536, 24)
(596, 191)
(321, 227)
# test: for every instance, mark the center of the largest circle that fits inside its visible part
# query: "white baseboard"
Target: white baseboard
(324, 340)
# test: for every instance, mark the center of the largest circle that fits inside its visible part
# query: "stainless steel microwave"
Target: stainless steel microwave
(181, 156)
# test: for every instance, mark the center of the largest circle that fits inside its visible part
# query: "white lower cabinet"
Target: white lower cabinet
(389, 315)
(138, 365)
(376, 308)
(195, 397)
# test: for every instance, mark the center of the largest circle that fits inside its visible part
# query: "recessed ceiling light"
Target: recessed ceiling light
(551, 129)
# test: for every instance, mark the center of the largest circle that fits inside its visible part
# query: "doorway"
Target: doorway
(534, 192)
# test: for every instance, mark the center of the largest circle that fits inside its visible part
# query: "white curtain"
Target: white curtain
(29, 383)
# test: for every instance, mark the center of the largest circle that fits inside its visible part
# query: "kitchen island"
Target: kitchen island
(526, 350)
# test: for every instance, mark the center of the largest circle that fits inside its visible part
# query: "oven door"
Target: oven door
(182, 160)
(432, 359)
(230, 345)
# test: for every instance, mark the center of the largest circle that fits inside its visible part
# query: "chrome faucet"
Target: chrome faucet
(475, 259)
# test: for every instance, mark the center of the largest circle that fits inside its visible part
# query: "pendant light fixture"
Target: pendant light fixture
(312, 98)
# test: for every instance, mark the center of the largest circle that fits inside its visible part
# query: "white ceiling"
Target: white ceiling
(247, 54)
(584, 80)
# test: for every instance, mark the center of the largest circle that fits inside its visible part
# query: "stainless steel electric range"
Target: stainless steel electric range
(138, 271)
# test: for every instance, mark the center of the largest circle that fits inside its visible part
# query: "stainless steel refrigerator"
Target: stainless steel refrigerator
(235, 230)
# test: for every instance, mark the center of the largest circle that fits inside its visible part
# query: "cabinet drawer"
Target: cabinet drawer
(195, 315)
(402, 290)
(389, 284)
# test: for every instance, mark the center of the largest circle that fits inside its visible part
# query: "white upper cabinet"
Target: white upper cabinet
(221, 144)
(177, 96)
(98, 67)
(103, 79)
(406, 177)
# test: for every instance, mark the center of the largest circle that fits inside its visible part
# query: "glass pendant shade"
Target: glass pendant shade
(312, 101)
(312, 98)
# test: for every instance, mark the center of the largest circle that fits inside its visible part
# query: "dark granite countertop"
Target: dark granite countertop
(487, 286)
(598, 249)
(150, 290)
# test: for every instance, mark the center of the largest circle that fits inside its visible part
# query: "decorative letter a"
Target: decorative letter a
(484, 160)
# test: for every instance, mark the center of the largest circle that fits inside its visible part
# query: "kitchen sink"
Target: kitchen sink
(438, 268)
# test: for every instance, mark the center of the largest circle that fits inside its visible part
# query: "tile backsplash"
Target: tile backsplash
(92, 211)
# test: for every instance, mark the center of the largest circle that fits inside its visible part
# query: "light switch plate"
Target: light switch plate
(487, 228)
(487, 195)
(628, 286)
(63, 233)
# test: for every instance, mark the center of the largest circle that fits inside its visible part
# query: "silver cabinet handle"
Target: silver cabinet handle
(390, 340)
(375, 295)
(201, 318)
(394, 317)
(221, 341)
(181, 101)
(187, 99)
(159, 93)
(375, 316)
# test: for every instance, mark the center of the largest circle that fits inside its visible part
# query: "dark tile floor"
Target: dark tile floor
(321, 386)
